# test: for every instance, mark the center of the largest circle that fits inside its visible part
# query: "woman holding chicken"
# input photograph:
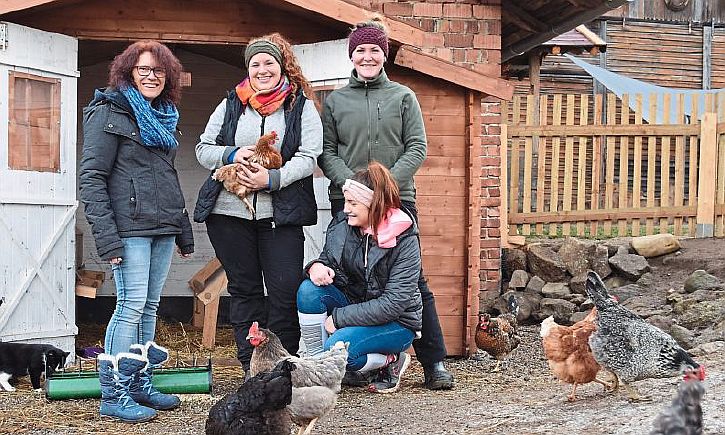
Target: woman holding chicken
(365, 282)
(375, 118)
(264, 248)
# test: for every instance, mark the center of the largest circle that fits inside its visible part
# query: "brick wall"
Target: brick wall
(468, 33)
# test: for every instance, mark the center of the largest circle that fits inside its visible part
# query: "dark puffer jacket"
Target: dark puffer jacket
(128, 189)
(391, 290)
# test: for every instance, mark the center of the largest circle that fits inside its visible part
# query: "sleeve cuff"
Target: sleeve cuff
(274, 180)
(229, 152)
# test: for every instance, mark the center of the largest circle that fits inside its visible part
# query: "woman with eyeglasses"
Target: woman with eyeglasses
(264, 250)
(134, 203)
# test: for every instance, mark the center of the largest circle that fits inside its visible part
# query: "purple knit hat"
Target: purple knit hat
(368, 35)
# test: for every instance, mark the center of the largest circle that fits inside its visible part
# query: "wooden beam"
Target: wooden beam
(18, 5)
(473, 217)
(348, 13)
(606, 130)
(602, 215)
(412, 58)
(522, 18)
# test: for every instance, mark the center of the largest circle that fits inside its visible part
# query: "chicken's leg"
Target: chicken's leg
(607, 386)
(572, 396)
(498, 366)
(634, 395)
(308, 429)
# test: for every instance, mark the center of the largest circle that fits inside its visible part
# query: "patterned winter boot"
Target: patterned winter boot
(115, 375)
(142, 390)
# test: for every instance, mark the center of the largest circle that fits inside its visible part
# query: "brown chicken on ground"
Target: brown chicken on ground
(498, 336)
(264, 154)
(567, 351)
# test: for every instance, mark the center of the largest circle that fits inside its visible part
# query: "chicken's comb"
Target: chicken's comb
(254, 329)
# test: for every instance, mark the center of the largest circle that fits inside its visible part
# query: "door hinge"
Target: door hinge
(3, 36)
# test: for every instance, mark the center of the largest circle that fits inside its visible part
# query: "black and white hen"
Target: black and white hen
(257, 407)
(629, 347)
(684, 415)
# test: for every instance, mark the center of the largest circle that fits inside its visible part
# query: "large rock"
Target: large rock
(578, 284)
(714, 347)
(519, 279)
(683, 336)
(559, 308)
(614, 281)
(574, 254)
(578, 316)
(512, 259)
(626, 292)
(631, 266)
(701, 280)
(545, 263)
(655, 245)
(648, 305)
(613, 245)
(556, 290)
(703, 314)
(535, 285)
(663, 322)
(599, 261)
(486, 299)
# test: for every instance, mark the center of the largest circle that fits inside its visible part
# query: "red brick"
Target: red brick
(487, 285)
(490, 161)
(494, 223)
(493, 150)
(494, 212)
(457, 10)
(496, 170)
(493, 129)
(457, 26)
(490, 182)
(458, 40)
(493, 275)
(472, 26)
(490, 243)
(490, 202)
(494, 232)
(494, 192)
(486, 12)
(433, 40)
(487, 41)
(428, 24)
(398, 9)
(488, 108)
(490, 140)
(427, 10)
(473, 55)
(491, 118)
(444, 53)
(490, 264)
(443, 26)
(459, 55)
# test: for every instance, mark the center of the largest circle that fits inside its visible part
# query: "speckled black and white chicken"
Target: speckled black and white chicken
(629, 347)
(684, 415)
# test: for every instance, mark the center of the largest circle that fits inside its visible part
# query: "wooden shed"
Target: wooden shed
(448, 52)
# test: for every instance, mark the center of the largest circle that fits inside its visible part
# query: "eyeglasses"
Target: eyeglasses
(145, 71)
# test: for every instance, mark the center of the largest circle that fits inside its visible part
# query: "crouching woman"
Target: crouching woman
(363, 289)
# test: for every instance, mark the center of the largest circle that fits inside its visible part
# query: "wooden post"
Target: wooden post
(708, 176)
(504, 217)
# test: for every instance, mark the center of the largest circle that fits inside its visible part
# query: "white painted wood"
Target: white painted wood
(37, 209)
(325, 60)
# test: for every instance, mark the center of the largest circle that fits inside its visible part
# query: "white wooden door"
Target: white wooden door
(38, 73)
(327, 66)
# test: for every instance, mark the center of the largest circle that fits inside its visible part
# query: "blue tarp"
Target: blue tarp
(619, 85)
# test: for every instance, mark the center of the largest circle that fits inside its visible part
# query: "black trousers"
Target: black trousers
(430, 348)
(250, 251)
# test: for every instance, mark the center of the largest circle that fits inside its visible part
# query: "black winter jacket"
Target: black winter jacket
(128, 189)
(391, 292)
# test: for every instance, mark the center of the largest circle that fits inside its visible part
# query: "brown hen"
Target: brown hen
(568, 353)
(264, 154)
(498, 336)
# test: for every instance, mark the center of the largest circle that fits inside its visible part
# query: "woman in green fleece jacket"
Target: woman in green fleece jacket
(374, 118)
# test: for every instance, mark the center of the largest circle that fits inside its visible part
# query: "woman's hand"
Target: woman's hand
(243, 154)
(254, 176)
(330, 325)
(320, 274)
(115, 260)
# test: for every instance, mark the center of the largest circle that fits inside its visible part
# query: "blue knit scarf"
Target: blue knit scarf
(157, 125)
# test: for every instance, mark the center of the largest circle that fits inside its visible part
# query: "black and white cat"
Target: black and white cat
(20, 359)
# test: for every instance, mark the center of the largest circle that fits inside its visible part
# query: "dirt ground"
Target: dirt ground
(523, 398)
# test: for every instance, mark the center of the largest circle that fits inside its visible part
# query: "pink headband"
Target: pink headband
(358, 192)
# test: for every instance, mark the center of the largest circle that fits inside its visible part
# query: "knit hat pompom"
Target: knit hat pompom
(262, 46)
(369, 32)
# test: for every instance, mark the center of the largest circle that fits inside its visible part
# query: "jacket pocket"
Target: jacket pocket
(133, 201)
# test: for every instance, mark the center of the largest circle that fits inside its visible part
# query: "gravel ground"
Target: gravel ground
(522, 399)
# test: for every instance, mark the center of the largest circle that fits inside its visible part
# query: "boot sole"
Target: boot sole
(372, 388)
(113, 417)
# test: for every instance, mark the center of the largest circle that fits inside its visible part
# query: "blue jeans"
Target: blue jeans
(139, 280)
(390, 338)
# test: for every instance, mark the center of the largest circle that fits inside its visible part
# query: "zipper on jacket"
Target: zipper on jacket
(254, 199)
(367, 100)
(377, 126)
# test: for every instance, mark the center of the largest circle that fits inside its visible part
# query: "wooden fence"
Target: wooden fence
(592, 167)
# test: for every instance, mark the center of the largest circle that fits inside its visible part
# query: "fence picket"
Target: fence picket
(597, 157)
(623, 167)
(541, 163)
(651, 160)
(582, 168)
(665, 165)
(694, 148)
(637, 176)
(679, 185)
(609, 162)
(568, 164)
(528, 160)
(555, 152)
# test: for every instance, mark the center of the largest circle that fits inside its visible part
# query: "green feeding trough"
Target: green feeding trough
(84, 384)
